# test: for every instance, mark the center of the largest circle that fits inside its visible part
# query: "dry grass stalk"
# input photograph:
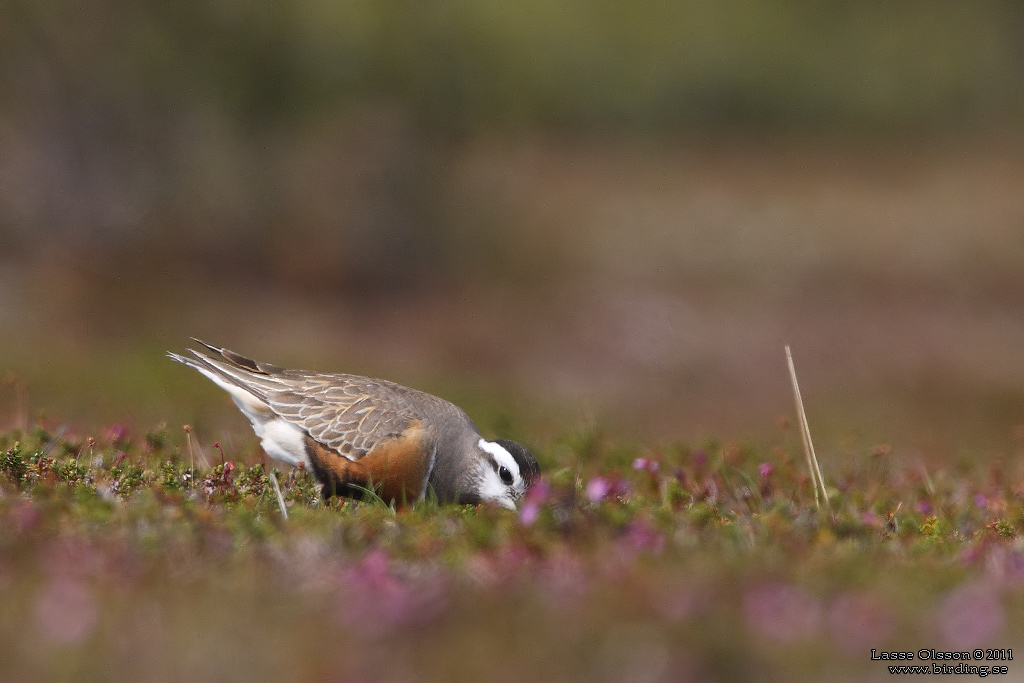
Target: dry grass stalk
(280, 498)
(805, 435)
(195, 451)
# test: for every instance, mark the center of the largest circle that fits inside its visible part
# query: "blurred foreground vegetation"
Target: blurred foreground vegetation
(133, 557)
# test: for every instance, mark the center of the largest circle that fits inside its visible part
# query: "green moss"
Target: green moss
(13, 465)
(126, 479)
(1004, 528)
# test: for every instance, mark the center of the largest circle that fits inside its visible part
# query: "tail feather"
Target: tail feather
(212, 370)
(248, 383)
(231, 370)
(239, 361)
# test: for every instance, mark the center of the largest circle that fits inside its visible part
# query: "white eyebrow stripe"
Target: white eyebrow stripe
(501, 455)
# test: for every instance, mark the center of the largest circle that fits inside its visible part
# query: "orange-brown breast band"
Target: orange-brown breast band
(394, 468)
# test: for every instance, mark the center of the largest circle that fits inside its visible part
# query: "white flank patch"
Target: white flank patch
(280, 439)
(283, 441)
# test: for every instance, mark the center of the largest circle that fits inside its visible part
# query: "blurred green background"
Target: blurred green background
(557, 214)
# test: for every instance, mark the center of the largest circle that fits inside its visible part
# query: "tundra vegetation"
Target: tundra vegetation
(146, 557)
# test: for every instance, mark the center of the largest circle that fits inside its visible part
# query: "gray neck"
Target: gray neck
(454, 475)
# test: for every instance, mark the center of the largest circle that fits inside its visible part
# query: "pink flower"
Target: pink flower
(970, 616)
(782, 612)
(764, 470)
(1005, 565)
(620, 488)
(66, 611)
(373, 600)
(564, 579)
(598, 489)
(539, 491)
(529, 512)
(24, 516)
(647, 464)
(869, 518)
(116, 434)
(71, 558)
(678, 601)
(642, 536)
(855, 622)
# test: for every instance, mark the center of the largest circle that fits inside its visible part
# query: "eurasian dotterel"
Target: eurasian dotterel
(358, 433)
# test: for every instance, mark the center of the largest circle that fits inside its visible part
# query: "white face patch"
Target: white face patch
(501, 455)
(492, 487)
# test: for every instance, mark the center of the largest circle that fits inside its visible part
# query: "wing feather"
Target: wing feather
(348, 414)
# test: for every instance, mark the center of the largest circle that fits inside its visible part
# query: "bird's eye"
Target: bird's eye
(506, 476)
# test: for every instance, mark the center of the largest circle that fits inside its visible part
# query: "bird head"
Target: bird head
(506, 470)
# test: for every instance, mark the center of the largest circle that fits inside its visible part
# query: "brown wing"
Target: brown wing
(348, 414)
(363, 432)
